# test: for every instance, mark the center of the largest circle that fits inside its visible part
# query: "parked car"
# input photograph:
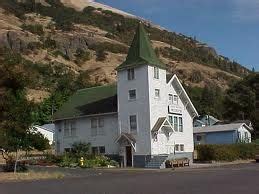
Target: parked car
(257, 153)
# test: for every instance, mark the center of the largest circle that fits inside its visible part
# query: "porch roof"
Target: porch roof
(128, 136)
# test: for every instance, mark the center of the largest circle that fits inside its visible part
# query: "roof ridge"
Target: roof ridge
(101, 86)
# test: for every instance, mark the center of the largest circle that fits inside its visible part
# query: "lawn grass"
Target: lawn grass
(31, 175)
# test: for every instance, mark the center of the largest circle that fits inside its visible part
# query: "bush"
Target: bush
(9, 167)
(225, 152)
(35, 29)
(68, 160)
(82, 56)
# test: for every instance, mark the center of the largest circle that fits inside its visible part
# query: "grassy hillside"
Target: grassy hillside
(58, 50)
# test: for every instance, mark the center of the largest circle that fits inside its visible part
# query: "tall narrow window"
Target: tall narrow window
(94, 122)
(175, 100)
(157, 93)
(170, 98)
(176, 123)
(156, 72)
(100, 122)
(181, 147)
(131, 74)
(176, 147)
(180, 124)
(73, 128)
(133, 123)
(171, 120)
(132, 95)
(66, 129)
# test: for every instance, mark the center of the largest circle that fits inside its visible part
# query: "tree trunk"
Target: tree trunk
(16, 161)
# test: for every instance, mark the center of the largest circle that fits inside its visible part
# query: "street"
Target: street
(237, 179)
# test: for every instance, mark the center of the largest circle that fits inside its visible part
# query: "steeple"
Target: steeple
(141, 52)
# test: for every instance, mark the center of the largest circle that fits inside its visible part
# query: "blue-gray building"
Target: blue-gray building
(222, 134)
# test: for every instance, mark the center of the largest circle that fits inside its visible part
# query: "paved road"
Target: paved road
(223, 180)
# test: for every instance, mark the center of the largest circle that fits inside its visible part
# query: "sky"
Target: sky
(230, 26)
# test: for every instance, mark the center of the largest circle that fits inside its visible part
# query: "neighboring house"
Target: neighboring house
(47, 130)
(205, 120)
(143, 120)
(222, 134)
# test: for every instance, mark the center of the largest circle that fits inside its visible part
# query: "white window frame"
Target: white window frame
(175, 99)
(156, 72)
(180, 127)
(181, 147)
(132, 99)
(97, 130)
(133, 130)
(170, 99)
(157, 91)
(131, 74)
(176, 124)
(178, 147)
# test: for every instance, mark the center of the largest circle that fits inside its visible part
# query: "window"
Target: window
(156, 72)
(94, 123)
(98, 150)
(102, 150)
(175, 100)
(170, 98)
(131, 74)
(94, 150)
(133, 123)
(67, 150)
(171, 120)
(177, 147)
(157, 93)
(181, 147)
(180, 124)
(73, 128)
(132, 94)
(66, 129)
(176, 123)
(97, 126)
(100, 122)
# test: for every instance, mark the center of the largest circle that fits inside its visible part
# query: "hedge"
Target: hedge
(225, 152)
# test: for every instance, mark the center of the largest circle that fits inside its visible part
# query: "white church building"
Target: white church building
(146, 118)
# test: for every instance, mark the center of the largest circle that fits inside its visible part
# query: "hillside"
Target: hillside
(58, 44)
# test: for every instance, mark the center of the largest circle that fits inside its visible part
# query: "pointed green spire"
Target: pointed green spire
(141, 52)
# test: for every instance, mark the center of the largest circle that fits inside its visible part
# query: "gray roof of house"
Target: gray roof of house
(218, 128)
(48, 127)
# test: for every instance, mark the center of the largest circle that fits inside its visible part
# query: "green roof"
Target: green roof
(141, 52)
(95, 100)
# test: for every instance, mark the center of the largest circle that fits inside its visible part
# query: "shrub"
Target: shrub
(68, 161)
(225, 152)
(9, 167)
(100, 55)
(80, 149)
(82, 56)
(35, 29)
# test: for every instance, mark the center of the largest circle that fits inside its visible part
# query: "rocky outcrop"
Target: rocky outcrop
(18, 41)
(68, 44)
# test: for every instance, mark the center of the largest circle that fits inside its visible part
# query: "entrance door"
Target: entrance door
(128, 156)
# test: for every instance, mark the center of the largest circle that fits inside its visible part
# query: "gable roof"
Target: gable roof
(47, 127)
(158, 124)
(183, 95)
(141, 52)
(219, 128)
(95, 100)
(161, 122)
